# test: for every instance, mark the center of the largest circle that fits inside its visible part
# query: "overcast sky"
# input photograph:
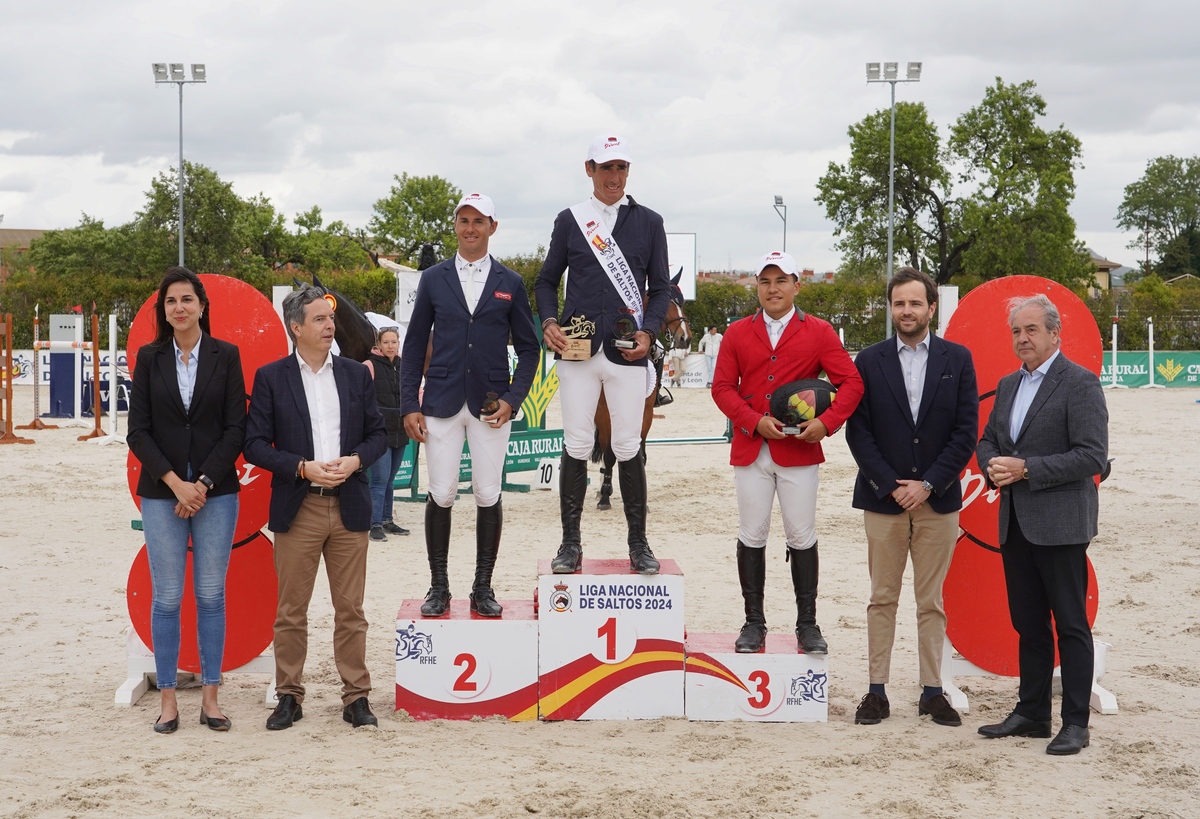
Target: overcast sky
(724, 104)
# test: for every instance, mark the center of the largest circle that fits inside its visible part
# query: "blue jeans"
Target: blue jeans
(382, 478)
(211, 531)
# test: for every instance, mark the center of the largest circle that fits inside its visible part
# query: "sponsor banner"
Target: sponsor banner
(610, 642)
(463, 666)
(24, 371)
(1171, 369)
(779, 684)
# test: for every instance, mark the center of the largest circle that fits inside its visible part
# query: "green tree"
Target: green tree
(418, 210)
(1163, 207)
(318, 249)
(528, 265)
(1010, 216)
(212, 216)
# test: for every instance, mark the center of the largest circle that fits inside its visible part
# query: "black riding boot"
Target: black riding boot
(632, 474)
(804, 580)
(489, 520)
(752, 573)
(437, 544)
(572, 487)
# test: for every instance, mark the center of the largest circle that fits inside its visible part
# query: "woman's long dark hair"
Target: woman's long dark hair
(163, 329)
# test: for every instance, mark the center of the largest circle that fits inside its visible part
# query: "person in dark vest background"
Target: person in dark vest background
(385, 369)
(615, 305)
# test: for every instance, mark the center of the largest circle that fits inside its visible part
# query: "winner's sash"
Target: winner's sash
(608, 253)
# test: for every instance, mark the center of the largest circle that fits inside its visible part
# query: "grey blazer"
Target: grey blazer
(1064, 441)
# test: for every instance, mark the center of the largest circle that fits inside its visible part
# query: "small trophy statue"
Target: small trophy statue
(491, 405)
(579, 339)
(623, 330)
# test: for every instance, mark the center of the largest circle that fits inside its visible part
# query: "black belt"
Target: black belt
(325, 491)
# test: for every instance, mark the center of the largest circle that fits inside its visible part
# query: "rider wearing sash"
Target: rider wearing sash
(616, 250)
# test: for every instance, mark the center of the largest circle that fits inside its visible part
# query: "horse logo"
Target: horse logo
(560, 599)
(810, 687)
(412, 644)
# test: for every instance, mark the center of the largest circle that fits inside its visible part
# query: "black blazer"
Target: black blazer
(208, 435)
(279, 436)
(889, 446)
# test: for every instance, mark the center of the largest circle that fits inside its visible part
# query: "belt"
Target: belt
(325, 491)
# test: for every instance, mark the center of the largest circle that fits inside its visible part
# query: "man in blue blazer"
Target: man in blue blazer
(617, 294)
(313, 422)
(467, 308)
(1045, 442)
(911, 435)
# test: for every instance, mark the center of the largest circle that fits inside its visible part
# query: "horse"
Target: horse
(676, 333)
(352, 330)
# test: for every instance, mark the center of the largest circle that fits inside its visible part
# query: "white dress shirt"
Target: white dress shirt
(775, 327)
(913, 364)
(472, 275)
(185, 371)
(324, 409)
(608, 213)
(1026, 392)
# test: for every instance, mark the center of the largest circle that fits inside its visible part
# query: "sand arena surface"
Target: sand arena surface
(65, 750)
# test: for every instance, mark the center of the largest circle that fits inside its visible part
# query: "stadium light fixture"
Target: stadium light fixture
(781, 209)
(891, 75)
(173, 73)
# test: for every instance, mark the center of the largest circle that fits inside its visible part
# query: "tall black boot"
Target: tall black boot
(489, 520)
(632, 474)
(572, 487)
(804, 580)
(752, 574)
(437, 544)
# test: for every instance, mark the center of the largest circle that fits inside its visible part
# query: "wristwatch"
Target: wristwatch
(927, 486)
(207, 481)
(1025, 473)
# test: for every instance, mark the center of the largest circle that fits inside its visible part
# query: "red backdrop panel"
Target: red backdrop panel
(976, 604)
(250, 598)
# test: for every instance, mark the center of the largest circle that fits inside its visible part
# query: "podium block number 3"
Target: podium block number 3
(761, 682)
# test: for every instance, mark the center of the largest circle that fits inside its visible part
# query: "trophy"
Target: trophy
(623, 330)
(579, 339)
(491, 405)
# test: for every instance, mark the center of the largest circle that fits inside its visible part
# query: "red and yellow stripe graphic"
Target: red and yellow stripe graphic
(704, 664)
(568, 692)
(517, 706)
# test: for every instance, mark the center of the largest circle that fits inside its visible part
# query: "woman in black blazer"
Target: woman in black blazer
(187, 420)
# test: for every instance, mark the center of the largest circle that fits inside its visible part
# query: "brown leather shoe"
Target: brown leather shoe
(872, 710)
(939, 708)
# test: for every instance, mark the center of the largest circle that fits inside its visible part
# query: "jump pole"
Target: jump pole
(1151, 385)
(77, 347)
(1113, 385)
(37, 422)
(114, 395)
(6, 376)
(96, 432)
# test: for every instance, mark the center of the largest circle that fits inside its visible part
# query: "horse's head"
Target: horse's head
(677, 326)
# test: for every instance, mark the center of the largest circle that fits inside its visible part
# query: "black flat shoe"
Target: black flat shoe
(222, 724)
(168, 727)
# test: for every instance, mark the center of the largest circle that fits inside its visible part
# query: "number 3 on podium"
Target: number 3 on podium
(762, 692)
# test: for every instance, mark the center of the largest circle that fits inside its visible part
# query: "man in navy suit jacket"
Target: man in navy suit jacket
(911, 435)
(314, 424)
(469, 306)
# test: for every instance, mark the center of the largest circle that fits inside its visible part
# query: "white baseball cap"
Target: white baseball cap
(481, 202)
(778, 258)
(608, 149)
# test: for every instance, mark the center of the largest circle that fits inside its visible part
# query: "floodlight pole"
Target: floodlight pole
(781, 209)
(892, 166)
(176, 77)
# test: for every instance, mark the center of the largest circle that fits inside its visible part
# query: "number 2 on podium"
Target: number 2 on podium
(464, 683)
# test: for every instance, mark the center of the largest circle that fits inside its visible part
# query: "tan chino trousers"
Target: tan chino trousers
(317, 532)
(929, 537)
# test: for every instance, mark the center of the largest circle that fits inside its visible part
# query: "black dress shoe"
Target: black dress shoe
(1015, 725)
(168, 727)
(751, 639)
(810, 641)
(872, 710)
(285, 713)
(1070, 740)
(940, 710)
(358, 713)
(215, 723)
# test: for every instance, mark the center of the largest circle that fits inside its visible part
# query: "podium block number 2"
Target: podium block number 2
(762, 692)
(468, 664)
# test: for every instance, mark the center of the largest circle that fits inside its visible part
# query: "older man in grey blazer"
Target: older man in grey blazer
(1045, 442)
